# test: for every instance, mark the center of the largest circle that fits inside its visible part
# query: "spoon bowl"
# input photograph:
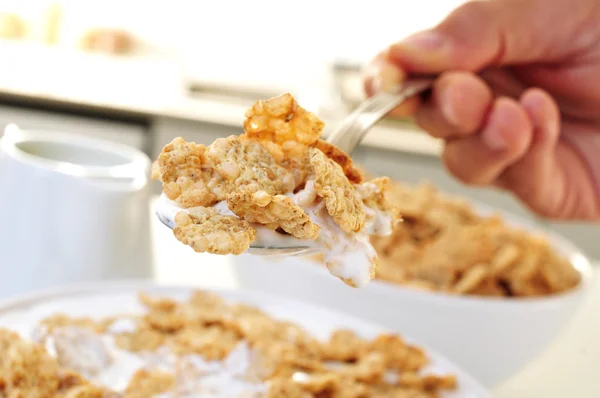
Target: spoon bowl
(256, 249)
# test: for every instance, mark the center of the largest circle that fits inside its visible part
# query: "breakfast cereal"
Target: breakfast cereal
(205, 229)
(208, 347)
(278, 180)
(186, 175)
(445, 245)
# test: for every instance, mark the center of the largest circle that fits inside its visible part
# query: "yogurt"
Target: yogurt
(350, 257)
(97, 357)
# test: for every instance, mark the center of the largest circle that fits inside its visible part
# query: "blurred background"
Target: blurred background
(143, 72)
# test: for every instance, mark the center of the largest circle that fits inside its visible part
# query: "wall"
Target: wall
(263, 41)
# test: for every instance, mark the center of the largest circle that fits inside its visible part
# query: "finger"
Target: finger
(503, 82)
(382, 76)
(535, 178)
(480, 159)
(458, 106)
(480, 34)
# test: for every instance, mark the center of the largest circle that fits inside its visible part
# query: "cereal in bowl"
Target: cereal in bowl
(212, 348)
(443, 244)
(277, 183)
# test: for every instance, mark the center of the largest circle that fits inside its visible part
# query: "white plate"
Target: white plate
(105, 299)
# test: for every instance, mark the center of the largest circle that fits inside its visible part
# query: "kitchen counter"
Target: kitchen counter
(569, 368)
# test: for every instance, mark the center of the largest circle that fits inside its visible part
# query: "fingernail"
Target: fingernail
(389, 77)
(447, 106)
(424, 41)
(384, 77)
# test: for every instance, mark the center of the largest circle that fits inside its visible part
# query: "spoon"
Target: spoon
(347, 136)
(284, 245)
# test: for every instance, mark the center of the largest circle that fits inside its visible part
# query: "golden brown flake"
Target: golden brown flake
(334, 153)
(428, 382)
(205, 299)
(280, 358)
(340, 197)
(204, 229)
(323, 383)
(286, 388)
(276, 211)
(152, 303)
(146, 383)
(398, 354)
(369, 369)
(156, 174)
(187, 175)
(280, 119)
(390, 391)
(68, 379)
(212, 342)
(28, 371)
(87, 391)
(142, 339)
(344, 345)
(247, 165)
(165, 321)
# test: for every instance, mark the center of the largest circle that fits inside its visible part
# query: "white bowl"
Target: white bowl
(111, 298)
(492, 338)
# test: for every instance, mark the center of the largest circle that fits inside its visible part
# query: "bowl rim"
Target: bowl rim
(563, 245)
(135, 165)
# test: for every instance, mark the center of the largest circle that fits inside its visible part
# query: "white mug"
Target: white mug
(72, 209)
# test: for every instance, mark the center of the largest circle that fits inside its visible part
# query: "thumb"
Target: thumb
(501, 32)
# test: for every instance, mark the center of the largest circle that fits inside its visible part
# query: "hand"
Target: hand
(517, 101)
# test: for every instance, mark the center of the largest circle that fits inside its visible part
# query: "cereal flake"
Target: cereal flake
(341, 199)
(281, 119)
(187, 175)
(204, 229)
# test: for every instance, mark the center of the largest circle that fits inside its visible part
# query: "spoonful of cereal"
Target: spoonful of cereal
(277, 189)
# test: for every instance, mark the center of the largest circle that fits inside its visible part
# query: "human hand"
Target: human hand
(517, 101)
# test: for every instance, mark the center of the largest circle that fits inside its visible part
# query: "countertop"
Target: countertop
(569, 368)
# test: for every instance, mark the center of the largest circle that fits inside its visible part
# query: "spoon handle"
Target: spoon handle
(351, 131)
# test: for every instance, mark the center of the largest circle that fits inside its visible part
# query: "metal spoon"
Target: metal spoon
(347, 136)
(295, 247)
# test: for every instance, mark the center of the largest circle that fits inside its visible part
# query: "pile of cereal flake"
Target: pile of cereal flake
(444, 244)
(277, 180)
(205, 346)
